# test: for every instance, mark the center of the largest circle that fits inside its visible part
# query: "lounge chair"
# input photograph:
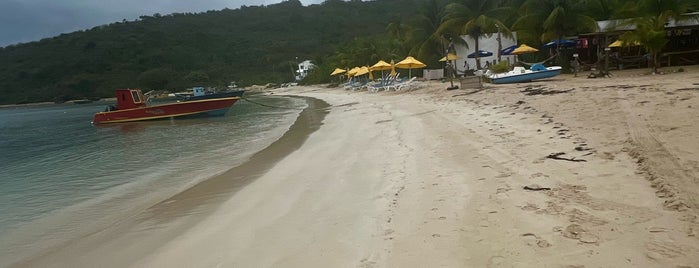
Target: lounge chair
(402, 85)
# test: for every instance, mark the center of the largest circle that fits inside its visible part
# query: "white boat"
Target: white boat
(521, 74)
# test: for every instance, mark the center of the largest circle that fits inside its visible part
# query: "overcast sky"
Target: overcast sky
(31, 20)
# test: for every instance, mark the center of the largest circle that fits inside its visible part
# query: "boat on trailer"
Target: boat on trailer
(132, 106)
(520, 74)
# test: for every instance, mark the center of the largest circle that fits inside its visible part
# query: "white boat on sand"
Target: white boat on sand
(521, 74)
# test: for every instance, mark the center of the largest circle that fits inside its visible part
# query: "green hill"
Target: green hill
(256, 44)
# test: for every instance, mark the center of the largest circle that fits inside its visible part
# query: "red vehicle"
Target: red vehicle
(131, 106)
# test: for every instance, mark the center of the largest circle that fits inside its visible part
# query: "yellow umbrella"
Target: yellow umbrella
(449, 56)
(381, 66)
(362, 71)
(353, 71)
(524, 49)
(410, 63)
(338, 71)
(393, 68)
(619, 43)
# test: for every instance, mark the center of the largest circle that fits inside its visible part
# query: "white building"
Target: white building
(489, 44)
(304, 68)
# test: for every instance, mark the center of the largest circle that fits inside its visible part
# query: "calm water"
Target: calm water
(58, 171)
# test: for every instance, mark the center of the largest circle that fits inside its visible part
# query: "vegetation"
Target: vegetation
(263, 44)
(476, 18)
(249, 45)
(650, 17)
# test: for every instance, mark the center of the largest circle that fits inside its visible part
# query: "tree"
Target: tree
(197, 77)
(650, 18)
(556, 18)
(155, 79)
(425, 35)
(476, 18)
(650, 32)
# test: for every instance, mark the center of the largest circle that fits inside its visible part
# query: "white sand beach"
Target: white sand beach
(437, 178)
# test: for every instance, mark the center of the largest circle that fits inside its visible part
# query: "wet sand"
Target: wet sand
(567, 172)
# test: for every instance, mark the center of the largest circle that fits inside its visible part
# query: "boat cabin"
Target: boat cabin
(129, 99)
(198, 91)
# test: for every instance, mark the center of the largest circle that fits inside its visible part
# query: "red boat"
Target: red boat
(131, 106)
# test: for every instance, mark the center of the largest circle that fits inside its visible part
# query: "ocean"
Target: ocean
(61, 176)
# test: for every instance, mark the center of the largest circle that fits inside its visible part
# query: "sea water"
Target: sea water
(59, 174)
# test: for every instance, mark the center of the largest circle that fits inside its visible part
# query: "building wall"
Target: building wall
(487, 44)
(304, 68)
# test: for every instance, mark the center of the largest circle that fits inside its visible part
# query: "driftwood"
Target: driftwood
(543, 91)
(557, 156)
(535, 187)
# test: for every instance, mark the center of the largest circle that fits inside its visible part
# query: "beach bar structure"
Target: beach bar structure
(682, 47)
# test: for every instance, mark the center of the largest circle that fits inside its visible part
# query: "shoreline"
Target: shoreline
(179, 212)
(565, 172)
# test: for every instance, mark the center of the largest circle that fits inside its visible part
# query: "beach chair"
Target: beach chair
(392, 81)
(352, 85)
(402, 85)
(360, 85)
(376, 87)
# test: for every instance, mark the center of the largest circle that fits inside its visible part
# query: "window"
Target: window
(136, 99)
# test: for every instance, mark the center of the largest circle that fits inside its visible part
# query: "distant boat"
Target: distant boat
(131, 106)
(520, 74)
(198, 93)
(82, 101)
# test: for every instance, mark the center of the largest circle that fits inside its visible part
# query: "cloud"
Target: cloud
(31, 20)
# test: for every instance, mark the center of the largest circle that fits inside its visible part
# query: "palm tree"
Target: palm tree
(556, 18)
(399, 34)
(428, 43)
(603, 9)
(650, 18)
(476, 18)
(650, 32)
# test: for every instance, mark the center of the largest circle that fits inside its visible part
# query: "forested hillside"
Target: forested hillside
(256, 44)
(263, 44)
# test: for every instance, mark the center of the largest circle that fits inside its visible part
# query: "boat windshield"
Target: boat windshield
(136, 98)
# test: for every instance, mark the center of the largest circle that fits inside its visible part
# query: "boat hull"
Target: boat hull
(227, 94)
(526, 77)
(209, 107)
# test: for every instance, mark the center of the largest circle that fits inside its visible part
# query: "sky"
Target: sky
(23, 21)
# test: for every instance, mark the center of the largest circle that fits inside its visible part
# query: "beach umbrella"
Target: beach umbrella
(449, 56)
(481, 54)
(353, 71)
(410, 63)
(619, 43)
(561, 42)
(523, 49)
(362, 71)
(381, 66)
(338, 71)
(393, 68)
(508, 50)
